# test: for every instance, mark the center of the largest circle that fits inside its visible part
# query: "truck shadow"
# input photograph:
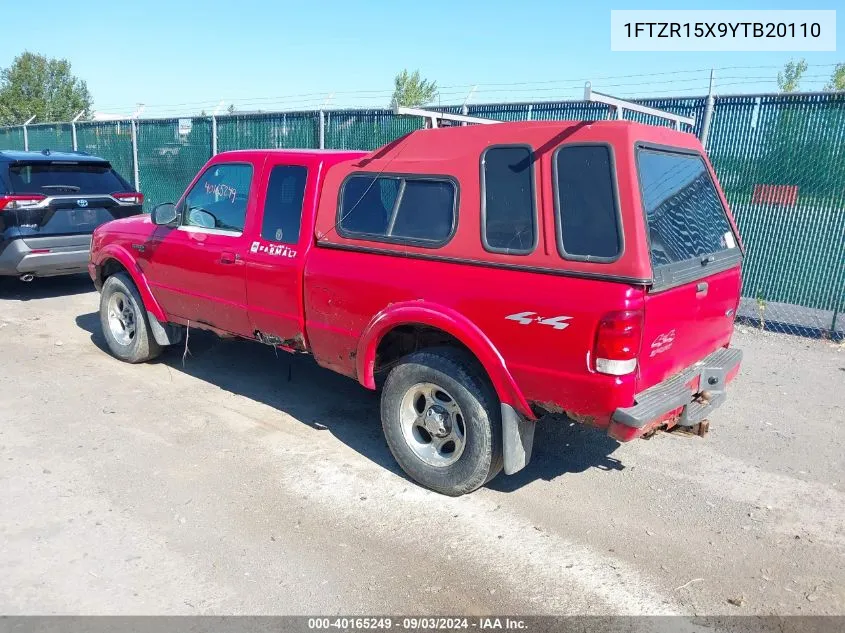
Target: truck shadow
(324, 400)
(45, 287)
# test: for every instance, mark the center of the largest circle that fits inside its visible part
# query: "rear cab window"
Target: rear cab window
(407, 209)
(58, 178)
(688, 228)
(283, 206)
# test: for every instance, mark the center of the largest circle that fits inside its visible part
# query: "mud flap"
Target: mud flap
(164, 333)
(517, 439)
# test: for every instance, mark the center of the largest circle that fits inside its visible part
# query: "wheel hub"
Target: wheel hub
(437, 421)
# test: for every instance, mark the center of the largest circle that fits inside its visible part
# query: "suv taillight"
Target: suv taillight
(9, 203)
(131, 197)
(618, 342)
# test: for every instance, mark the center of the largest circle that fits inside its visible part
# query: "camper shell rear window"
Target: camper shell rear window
(687, 223)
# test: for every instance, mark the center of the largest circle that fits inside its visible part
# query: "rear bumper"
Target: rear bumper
(19, 258)
(684, 399)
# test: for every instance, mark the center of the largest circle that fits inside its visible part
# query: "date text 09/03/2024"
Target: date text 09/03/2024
(417, 623)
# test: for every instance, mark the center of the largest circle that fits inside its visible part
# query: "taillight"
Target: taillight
(9, 203)
(617, 342)
(132, 197)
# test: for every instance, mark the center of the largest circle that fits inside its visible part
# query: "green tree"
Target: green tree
(412, 90)
(45, 88)
(837, 78)
(790, 77)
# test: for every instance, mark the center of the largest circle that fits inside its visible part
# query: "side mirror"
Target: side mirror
(164, 213)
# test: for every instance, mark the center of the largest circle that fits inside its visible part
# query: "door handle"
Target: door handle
(228, 258)
(701, 287)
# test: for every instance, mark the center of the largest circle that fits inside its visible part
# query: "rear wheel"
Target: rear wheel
(124, 321)
(442, 421)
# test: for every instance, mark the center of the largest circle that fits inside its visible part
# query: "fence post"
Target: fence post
(134, 123)
(708, 113)
(530, 112)
(73, 130)
(322, 135)
(213, 135)
(25, 134)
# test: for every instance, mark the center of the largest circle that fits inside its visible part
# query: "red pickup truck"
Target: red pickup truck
(482, 276)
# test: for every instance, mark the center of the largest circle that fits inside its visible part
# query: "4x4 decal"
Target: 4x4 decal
(662, 343)
(527, 318)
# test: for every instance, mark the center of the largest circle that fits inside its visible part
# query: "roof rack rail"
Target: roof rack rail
(435, 118)
(620, 104)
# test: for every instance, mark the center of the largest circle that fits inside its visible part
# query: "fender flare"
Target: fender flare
(121, 255)
(451, 322)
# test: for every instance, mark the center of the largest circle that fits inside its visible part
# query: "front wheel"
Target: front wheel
(124, 321)
(442, 421)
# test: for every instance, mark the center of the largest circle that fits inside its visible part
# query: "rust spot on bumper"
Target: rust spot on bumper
(700, 430)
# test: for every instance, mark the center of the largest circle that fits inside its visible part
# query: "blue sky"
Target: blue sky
(179, 57)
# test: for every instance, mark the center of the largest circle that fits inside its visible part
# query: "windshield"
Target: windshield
(685, 216)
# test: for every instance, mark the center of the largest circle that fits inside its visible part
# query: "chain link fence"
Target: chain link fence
(780, 160)
(109, 140)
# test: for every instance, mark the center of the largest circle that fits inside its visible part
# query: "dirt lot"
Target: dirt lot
(246, 482)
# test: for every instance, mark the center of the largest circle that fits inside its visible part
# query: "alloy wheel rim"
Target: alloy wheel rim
(122, 318)
(433, 424)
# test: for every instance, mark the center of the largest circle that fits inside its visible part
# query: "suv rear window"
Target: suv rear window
(398, 209)
(685, 216)
(64, 178)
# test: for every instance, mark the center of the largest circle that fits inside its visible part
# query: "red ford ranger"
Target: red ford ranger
(482, 276)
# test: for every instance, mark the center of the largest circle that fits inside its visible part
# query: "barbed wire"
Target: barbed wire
(456, 94)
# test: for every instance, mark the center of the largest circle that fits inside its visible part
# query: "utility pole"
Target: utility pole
(708, 111)
(321, 130)
(464, 106)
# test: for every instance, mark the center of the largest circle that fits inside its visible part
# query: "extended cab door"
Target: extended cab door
(196, 270)
(695, 255)
(275, 258)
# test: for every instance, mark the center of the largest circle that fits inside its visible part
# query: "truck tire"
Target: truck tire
(442, 421)
(123, 319)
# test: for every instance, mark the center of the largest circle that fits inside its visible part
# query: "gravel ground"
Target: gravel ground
(248, 482)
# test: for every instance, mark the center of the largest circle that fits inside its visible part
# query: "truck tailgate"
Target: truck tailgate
(695, 257)
(685, 324)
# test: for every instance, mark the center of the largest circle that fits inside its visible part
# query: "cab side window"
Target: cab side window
(283, 206)
(585, 204)
(507, 200)
(218, 199)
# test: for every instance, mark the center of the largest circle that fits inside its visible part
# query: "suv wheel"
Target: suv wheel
(124, 321)
(442, 421)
